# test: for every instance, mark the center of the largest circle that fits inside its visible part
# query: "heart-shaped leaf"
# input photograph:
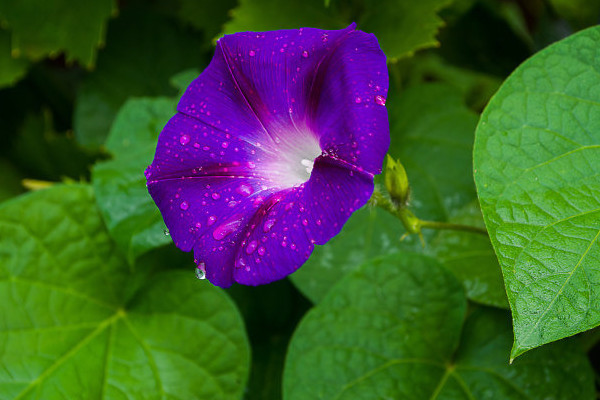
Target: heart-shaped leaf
(392, 330)
(78, 323)
(537, 163)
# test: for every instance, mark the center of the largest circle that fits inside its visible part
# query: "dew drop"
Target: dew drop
(201, 271)
(232, 203)
(251, 53)
(251, 165)
(244, 190)
(216, 196)
(184, 205)
(380, 100)
(305, 54)
(268, 225)
(262, 251)
(251, 247)
(227, 228)
(240, 263)
(305, 222)
(357, 100)
(184, 139)
(211, 220)
(225, 145)
(166, 232)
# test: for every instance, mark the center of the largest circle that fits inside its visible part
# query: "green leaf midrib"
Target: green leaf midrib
(71, 352)
(516, 350)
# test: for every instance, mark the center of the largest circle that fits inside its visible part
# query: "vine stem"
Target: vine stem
(412, 223)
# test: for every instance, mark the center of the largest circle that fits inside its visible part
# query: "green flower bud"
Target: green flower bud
(396, 181)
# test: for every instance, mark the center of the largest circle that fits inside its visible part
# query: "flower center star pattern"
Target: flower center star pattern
(273, 147)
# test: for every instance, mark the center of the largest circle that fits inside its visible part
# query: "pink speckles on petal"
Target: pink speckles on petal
(184, 205)
(380, 100)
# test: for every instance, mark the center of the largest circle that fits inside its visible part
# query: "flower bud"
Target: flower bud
(396, 181)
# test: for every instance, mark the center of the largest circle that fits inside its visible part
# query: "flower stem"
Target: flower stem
(412, 223)
(453, 227)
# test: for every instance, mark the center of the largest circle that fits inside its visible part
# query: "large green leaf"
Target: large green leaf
(537, 162)
(435, 146)
(41, 28)
(401, 27)
(392, 330)
(143, 51)
(78, 323)
(128, 210)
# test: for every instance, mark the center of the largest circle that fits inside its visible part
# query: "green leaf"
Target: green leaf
(536, 160)
(401, 27)
(11, 69)
(77, 323)
(41, 28)
(435, 147)
(10, 180)
(144, 51)
(392, 329)
(266, 15)
(471, 257)
(128, 210)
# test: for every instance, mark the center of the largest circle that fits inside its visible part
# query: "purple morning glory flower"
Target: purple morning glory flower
(273, 147)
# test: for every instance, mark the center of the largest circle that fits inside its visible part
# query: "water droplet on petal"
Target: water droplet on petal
(305, 222)
(244, 190)
(251, 165)
(251, 53)
(211, 220)
(357, 100)
(305, 54)
(240, 263)
(251, 247)
(227, 228)
(268, 225)
(184, 139)
(184, 205)
(166, 232)
(380, 100)
(262, 251)
(201, 271)
(216, 196)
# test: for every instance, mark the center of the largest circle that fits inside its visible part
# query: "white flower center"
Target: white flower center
(295, 160)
